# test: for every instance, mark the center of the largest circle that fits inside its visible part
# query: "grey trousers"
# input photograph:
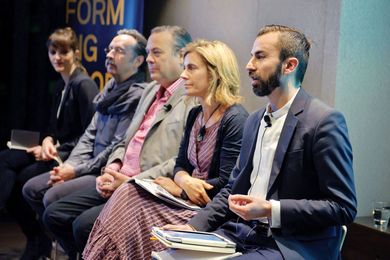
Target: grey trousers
(40, 195)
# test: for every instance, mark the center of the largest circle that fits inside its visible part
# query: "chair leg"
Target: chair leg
(54, 252)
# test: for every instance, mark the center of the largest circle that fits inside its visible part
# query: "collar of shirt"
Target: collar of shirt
(168, 92)
(282, 111)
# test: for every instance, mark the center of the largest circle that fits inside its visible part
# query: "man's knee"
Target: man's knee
(82, 226)
(49, 198)
(28, 191)
(53, 218)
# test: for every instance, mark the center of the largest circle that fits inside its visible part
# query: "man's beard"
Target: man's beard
(265, 87)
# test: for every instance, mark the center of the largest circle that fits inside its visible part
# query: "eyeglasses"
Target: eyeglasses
(115, 49)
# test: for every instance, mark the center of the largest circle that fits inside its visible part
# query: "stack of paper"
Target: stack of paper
(161, 193)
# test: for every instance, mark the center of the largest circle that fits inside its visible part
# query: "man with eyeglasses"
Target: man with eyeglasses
(151, 145)
(115, 105)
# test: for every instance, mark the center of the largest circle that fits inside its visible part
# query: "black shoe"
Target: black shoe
(37, 248)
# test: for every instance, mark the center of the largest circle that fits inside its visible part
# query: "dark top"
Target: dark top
(311, 176)
(76, 112)
(227, 147)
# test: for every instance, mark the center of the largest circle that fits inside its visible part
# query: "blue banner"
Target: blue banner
(96, 23)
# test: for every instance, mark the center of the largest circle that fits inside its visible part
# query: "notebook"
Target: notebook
(172, 254)
(194, 240)
(22, 139)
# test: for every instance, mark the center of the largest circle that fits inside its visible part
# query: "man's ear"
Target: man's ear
(181, 56)
(289, 65)
(139, 60)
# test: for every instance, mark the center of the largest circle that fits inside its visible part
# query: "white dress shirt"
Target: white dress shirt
(267, 141)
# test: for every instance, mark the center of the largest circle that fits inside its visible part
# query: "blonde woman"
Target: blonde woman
(207, 154)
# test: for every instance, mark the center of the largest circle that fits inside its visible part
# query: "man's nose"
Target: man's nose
(149, 58)
(249, 66)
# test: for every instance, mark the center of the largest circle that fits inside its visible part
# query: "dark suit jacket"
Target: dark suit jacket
(76, 111)
(311, 176)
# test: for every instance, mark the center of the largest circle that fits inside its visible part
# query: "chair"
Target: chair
(343, 234)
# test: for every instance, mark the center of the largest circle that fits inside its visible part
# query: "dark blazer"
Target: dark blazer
(76, 111)
(311, 176)
(227, 146)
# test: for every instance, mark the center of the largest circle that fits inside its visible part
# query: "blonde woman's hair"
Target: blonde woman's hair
(222, 67)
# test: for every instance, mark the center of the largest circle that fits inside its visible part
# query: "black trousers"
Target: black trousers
(71, 218)
(16, 168)
(253, 242)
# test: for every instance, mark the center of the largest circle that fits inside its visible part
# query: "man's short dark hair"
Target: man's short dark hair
(140, 47)
(292, 43)
(180, 35)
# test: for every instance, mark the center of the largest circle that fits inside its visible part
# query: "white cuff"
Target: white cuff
(275, 211)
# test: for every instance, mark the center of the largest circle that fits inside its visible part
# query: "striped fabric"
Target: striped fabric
(122, 230)
(200, 153)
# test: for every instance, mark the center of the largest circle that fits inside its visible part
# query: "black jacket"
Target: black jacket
(227, 146)
(76, 111)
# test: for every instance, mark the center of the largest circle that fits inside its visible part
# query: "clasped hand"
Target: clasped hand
(62, 173)
(109, 181)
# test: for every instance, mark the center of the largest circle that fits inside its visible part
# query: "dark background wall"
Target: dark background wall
(27, 79)
(26, 76)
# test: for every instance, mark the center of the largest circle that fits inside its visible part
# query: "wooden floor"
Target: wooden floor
(12, 240)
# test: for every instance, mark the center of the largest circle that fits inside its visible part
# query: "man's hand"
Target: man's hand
(109, 181)
(36, 151)
(169, 185)
(59, 174)
(196, 190)
(178, 227)
(249, 207)
(49, 151)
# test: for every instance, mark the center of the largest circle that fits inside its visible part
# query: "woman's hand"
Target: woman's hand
(36, 151)
(196, 190)
(169, 185)
(49, 151)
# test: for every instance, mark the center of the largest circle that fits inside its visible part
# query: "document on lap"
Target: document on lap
(23, 139)
(161, 193)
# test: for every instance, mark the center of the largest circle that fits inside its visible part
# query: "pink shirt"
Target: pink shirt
(131, 160)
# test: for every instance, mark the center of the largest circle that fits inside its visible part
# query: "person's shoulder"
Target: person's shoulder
(82, 81)
(318, 108)
(148, 87)
(237, 109)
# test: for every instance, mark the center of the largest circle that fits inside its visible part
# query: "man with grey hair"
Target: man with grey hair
(116, 104)
(149, 149)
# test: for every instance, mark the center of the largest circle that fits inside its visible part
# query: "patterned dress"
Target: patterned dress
(122, 230)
